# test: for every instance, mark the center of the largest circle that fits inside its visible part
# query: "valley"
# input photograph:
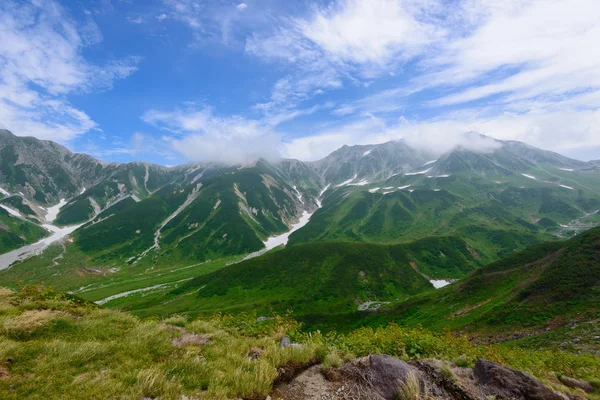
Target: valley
(380, 248)
(346, 238)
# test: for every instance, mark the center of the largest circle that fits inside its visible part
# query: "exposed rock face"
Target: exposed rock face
(506, 383)
(575, 383)
(380, 377)
(386, 372)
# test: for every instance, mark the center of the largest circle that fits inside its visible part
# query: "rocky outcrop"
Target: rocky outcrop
(506, 383)
(379, 377)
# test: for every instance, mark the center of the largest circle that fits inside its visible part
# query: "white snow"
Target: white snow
(404, 187)
(436, 190)
(418, 172)
(54, 210)
(530, 177)
(567, 169)
(324, 190)
(27, 251)
(348, 181)
(374, 190)
(566, 187)
(82, 191)
(428, 163)
(388, 188)
(388, 192)
(439, 283)
(135, 198)
(318, 199)
(12, 212)
(443, 176)
(275, 241)
(361, 183)
(298, 195)
(4, 192)
(366, 153)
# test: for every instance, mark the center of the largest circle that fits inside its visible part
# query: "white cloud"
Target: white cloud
(548, 42)
(374, 32)
(346, 41)
(200, 135)
(242, 6)
(162, 17)
(136, 20)
(545, 130)
(41, 62)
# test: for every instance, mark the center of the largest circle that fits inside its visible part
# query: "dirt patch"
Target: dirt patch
(310, 384)
(187, 338)
(4, 374)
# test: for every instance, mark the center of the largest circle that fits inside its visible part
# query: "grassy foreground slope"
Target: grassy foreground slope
(54, 346)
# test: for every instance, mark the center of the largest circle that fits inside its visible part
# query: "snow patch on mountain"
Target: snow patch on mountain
(530, 177)
(418, 172)
(54, 210)
(298, 195)
(361, 183)
(366, 153)
(567, 187)
(347, 181)
(440, 283)
(11, 211)
(4, 192)
(321, 193)
(282, 239)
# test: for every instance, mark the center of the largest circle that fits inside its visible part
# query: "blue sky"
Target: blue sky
(191, 80)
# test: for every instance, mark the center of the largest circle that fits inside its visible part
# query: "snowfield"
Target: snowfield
(54, 210)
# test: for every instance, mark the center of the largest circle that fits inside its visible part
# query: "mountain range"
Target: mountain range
(366, 228)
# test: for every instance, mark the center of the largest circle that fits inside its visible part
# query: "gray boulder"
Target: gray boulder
(506, 383)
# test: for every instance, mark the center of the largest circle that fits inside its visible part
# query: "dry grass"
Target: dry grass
(30, 321)
(410, 388)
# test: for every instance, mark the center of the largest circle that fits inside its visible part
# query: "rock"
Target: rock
(285, 342)
(387, 373)
(446, 382)
(576, 383)
(506, 383)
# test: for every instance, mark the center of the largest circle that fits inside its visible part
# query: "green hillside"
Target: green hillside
(327, 278)
(15, 232)
(496, 218)
(546, 286)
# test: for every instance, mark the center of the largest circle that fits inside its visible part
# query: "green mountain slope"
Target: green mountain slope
(328, 278)
(543, 287)
(493, 201)
(16, 232)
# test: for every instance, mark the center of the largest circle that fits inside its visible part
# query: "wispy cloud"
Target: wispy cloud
(200, 135)
(41, 62)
